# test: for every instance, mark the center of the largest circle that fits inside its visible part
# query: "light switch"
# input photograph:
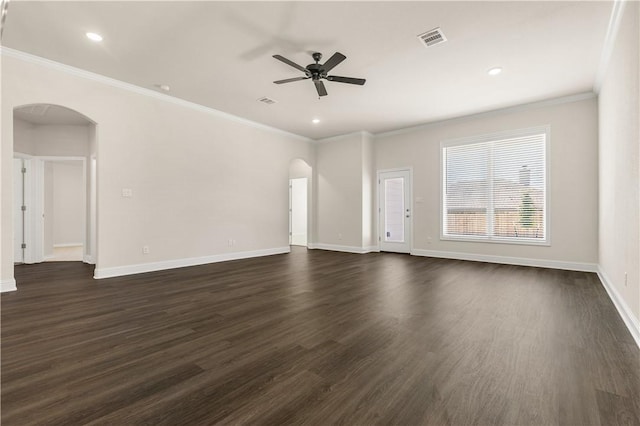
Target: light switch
(127, 192)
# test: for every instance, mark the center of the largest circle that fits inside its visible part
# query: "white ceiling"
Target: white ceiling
(218, 54)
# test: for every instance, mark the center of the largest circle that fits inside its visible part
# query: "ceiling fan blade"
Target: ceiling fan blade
(333, 61)
(320, 88)
(350, 80)
(289, 80)
(288, 62)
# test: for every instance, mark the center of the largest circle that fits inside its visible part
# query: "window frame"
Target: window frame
(495, 137)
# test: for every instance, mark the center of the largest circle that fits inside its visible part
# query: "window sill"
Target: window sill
(496, 240)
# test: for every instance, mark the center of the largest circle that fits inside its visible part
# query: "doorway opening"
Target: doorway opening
(298, 212)
(54, 181)
(299, 203)
(394, 197)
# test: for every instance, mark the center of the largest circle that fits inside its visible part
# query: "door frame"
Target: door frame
(379, 206)
(34, 200)
(291, 210)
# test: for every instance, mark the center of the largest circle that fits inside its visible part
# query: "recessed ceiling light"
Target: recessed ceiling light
(94, 37)
(315, 120)
(494, 71)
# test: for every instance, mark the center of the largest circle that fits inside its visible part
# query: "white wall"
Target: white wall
(369, 230)
(51, 140)
(61, 140)
(68, 203)
(339, 191)
(573, 180)
(345, 192)
(619, 164)
(23, 137)
(198, 177)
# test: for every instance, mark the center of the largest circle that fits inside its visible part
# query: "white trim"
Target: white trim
(8, 285)
(609, 43)
(68, 245)
(515, 108)
(77, 72)
(344, 249)
(342, 136)
(506, 260)
(379, 228)
(118, 271)
(36, 253)
(632, 323)
(87, 258)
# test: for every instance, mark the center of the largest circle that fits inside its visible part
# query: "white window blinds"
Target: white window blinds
(495, 187)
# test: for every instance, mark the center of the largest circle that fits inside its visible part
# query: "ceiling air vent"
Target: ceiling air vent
(267, 101)
(38, 109)
(432, 37)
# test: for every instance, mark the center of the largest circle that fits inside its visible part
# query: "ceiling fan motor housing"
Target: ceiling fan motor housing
(315, 70)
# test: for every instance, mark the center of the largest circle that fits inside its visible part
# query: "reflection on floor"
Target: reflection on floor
(65, 254)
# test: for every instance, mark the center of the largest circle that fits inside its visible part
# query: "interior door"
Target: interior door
(18, 213)
(394, 197)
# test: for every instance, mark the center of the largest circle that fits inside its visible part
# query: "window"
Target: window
(494, 187)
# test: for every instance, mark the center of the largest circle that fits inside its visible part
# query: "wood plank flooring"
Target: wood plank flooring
(318, 338)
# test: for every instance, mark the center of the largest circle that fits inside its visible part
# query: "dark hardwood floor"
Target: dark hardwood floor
(316, 337)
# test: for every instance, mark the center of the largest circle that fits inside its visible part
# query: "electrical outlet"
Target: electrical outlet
(339, 236)
(230, 242)
(127, 192)
(429, 240)
(626, 279)
(145, 249)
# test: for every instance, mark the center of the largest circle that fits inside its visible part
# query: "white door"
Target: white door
(18, 213)
(298, 211)
(394, 189)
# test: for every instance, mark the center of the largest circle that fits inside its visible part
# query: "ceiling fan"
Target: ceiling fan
(318, 71)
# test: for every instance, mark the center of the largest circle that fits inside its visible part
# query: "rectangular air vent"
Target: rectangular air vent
(267, 101)
(432, 37)
(38, 109)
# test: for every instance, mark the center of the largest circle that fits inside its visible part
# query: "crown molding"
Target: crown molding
(360, 133)
(27, 57)
(515, 108)
(609, 42)
(88, 75)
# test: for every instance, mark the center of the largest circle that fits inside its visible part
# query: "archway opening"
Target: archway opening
(55, 188)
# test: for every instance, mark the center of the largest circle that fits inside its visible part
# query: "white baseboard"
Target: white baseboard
(629, 319)
(119, 271)
(87, 258)
(520, 261)
(345, 249)
(68, 245)
(8, 285)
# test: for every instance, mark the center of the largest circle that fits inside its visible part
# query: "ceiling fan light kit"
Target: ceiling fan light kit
(317, 72)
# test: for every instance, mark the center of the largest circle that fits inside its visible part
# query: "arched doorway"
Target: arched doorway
(300, 203)
(55, 188)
